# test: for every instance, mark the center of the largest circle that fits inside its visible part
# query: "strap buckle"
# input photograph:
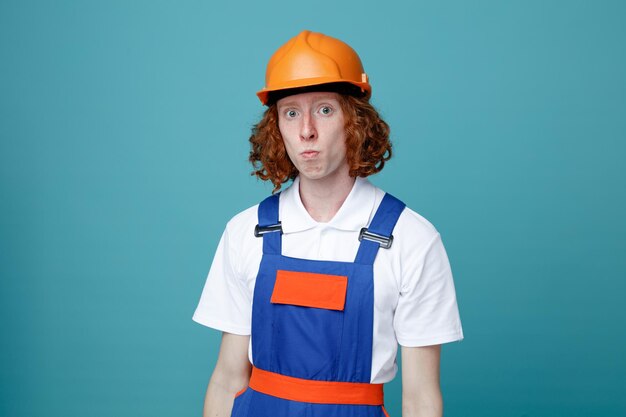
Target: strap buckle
(384, 241)
(259, 231)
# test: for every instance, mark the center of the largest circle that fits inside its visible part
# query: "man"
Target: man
(317, 285)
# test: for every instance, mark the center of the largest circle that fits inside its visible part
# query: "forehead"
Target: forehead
(307, 98)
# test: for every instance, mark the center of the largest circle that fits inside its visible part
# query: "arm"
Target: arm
(421, 394)
(231, 375)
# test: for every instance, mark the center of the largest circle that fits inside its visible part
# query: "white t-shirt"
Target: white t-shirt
(414, 297)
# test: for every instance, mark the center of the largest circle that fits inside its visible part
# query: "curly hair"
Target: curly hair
(367, 143)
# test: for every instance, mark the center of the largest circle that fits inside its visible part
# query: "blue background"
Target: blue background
(123, 153)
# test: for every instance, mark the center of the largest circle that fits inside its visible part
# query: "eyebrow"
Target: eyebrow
(286, 104)
(315, 102)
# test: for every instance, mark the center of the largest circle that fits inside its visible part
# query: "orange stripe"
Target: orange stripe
(310, 290)
(319, 392)
(241, 392)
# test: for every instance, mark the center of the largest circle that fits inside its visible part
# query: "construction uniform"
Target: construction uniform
(326, 304)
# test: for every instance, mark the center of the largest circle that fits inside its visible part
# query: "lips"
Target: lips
(309, 154)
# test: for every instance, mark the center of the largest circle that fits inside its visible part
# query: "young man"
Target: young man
(315, 287)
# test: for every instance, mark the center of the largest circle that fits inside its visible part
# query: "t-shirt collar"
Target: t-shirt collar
(354, 214)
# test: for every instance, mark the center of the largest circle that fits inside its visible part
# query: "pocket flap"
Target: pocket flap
(310, 290)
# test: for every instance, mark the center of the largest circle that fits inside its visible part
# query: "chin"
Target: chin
(311, 173)
(311, 177)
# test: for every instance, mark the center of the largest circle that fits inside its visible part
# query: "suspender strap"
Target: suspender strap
(269, 227)
(378, 234)
(313, 391)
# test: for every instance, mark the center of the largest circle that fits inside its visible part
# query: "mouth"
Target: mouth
(309, 154)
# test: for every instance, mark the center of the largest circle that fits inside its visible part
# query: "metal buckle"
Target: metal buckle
(384, 241)
(259, 231)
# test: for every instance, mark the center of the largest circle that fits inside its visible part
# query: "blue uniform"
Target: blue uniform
(312, 326)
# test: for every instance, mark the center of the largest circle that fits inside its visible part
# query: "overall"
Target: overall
(312, 326)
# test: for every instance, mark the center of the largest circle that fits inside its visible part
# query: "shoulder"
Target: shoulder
(241, 225)
(413, 233)
(413, 223)
(412, 227)
(243, 247)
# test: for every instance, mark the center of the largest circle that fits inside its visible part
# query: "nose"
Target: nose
(307, 129)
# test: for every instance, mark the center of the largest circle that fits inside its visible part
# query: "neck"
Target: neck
(323, 199)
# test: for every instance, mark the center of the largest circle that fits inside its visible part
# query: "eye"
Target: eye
(326, 110)
(291, 114)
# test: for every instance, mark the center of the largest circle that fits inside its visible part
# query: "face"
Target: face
(313, 129)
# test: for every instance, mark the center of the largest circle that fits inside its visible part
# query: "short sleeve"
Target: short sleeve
(427, 312)
(226, 301)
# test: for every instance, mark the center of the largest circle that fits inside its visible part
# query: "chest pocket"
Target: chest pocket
(307, 322)
(307, 289)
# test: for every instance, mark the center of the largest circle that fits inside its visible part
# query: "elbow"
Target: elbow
(423, 404)
(231, 380)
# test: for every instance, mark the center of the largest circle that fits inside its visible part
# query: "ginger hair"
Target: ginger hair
(367, 143)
